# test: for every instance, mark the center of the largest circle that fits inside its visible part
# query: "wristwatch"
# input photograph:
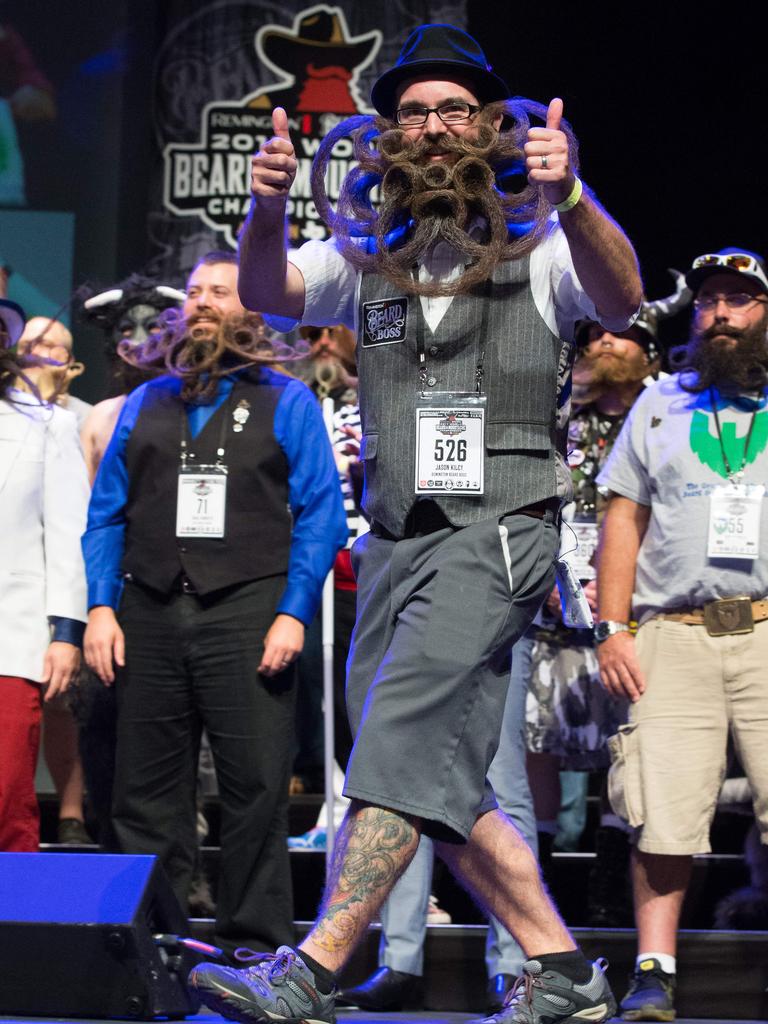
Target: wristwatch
(607, 627)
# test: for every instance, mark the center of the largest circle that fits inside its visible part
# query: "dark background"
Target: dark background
(669, 108)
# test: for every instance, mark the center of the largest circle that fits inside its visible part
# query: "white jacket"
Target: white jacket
(43, 507)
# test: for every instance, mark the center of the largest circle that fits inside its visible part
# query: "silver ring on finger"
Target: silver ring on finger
(544, 161)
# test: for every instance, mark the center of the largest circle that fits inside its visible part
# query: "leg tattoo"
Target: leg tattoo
(374, 848)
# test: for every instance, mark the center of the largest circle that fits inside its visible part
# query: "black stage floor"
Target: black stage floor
(345, 1017)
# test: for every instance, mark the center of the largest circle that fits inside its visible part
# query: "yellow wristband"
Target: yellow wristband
(573, 198)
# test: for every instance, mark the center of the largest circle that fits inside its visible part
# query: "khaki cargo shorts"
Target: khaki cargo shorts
(669, 761)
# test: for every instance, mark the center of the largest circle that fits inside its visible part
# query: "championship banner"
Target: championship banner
(220, 71)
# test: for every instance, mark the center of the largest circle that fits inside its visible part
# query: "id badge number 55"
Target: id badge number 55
(734, 521)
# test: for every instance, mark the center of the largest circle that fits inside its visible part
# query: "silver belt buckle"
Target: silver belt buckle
(729, 616)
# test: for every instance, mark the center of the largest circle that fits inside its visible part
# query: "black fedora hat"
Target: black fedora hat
(441, 50)
(12, 317)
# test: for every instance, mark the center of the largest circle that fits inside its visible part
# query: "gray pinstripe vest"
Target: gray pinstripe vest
(522, 356)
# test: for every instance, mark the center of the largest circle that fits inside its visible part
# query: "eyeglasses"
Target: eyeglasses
(449, 113)
(733, 300)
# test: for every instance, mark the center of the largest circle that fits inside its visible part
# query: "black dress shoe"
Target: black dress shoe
(72, 832)
(385, 990)
(498, 986)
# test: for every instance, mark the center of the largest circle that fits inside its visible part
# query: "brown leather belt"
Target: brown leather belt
(723, 617)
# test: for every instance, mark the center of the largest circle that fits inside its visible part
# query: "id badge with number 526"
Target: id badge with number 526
(450, 443)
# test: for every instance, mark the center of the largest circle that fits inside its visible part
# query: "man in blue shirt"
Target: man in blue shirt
(215, 517)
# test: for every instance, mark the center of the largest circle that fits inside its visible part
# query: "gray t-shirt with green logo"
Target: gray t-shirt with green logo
(668, 456)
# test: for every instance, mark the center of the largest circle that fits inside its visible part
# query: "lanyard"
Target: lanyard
(421, 349)
(186, 440)
(728, 468)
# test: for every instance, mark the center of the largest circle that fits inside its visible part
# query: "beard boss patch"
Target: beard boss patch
(384, 321)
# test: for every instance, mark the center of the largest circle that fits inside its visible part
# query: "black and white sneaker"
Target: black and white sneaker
(274, 987)
(548, 997)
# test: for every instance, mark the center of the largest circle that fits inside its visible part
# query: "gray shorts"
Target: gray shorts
(428, 669)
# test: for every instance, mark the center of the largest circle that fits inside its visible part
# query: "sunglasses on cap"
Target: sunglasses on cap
(739, 261)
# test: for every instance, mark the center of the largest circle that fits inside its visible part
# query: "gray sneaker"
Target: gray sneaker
(548, 997)
(275, 987)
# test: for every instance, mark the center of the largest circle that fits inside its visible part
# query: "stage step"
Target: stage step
(727, 833)
(714, 875)
(722, 975)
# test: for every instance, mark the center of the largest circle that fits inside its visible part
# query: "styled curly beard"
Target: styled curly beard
(425, 202)
(708, 361)
(201, 356)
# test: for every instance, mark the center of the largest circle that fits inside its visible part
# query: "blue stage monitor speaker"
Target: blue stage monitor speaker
(87, 935)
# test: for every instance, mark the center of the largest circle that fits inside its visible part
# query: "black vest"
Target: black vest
(522, 363)
(258, 522)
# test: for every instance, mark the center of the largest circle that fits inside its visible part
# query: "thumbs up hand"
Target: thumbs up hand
(273, 168)
(555, 114)
(280, 124)
(546, 156)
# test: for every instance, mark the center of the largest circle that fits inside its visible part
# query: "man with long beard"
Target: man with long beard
(214, 520)
(329, 370)
(461, 295)
(684, 550)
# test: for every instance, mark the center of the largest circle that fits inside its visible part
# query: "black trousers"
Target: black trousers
(345, 603)
(309, 711)
(94, 706)
(192, 662)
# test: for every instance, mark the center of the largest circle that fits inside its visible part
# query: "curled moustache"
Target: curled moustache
(422, 202)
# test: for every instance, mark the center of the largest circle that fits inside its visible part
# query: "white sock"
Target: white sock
(667, 962)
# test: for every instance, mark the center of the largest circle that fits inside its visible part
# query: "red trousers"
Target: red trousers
(20, 714)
